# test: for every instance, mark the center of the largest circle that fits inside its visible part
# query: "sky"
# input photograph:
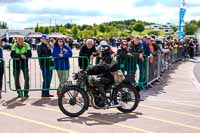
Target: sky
(21, 14)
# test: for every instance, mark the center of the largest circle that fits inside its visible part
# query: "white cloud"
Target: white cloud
(110, 10)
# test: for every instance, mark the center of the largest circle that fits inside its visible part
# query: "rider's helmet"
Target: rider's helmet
(104, 48)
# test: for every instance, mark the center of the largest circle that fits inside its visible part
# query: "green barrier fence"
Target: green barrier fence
(2, 76)
(42, 73)
(29, 72)
(129, 64)
(31, 75)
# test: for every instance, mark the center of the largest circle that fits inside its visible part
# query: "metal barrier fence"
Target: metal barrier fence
(141, 71)
(42, 73)
(2, 76)
(154, 65)
(168, 57)
(135, 68)
(163, 60)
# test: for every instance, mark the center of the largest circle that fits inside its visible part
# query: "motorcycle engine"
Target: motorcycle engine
(99, 101)
(118, 76)
(93, 80)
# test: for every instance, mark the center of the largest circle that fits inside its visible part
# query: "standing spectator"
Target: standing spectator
(87, 51)
(34, 46)
(147, 53)
(137, 51)
(30, 42)
(20, 52)
(1, 67)
(44, 51)
(52, 42)
(124, 61)
(185, 50)
(191, 48)
(196, 46)
(118, 42)
(151, 47)
(151, 58)
(145, 47)
(175, 46)
(113, 42)
(62, 52)
(70, 43)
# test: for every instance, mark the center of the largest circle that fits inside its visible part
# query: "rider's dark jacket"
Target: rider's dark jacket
(102, 70)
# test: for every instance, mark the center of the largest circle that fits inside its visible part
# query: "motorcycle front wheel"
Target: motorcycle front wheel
(127, 97)
(73, 101)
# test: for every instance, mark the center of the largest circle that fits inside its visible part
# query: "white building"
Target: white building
(157, 27)
(21, 32)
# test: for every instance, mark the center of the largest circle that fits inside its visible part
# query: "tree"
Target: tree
(57, 28)
(139, 27)
(154, 32)
(37, 28)
(53, 29)
(95, 32)
(3, 25)
(123, 33)
(63, 30)
(42, 29)
(198, 23)
(194, 22)
(68, 26)
(174, 28)
(102, 28)
(190, 28)
(75, 31)
(86, 34)
(47, 30)
(83, 27)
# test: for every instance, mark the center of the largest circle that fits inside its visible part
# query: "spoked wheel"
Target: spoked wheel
(73, 101)
(127, 97)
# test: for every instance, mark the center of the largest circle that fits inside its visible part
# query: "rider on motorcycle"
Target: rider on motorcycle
(105, 53)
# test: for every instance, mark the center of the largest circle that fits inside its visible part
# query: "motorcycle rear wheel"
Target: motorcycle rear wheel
(123, 95)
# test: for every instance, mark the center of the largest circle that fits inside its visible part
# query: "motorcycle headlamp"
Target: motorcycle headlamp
(74, 76)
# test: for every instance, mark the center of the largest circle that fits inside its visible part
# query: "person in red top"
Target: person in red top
(151, 58)
(151, 47)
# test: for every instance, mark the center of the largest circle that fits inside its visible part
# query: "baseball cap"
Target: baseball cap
(150, 38)
(145, 37)
(44, 36)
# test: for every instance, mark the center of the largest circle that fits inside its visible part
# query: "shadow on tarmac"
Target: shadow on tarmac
(158, 87)
(100, 119)
(13, 103)
(48, 101)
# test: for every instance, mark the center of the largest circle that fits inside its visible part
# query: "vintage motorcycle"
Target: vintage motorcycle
(101, 87)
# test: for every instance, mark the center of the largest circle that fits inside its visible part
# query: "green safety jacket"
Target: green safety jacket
(16, 53)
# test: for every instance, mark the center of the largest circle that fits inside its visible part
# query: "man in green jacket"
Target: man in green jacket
(20, 52)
